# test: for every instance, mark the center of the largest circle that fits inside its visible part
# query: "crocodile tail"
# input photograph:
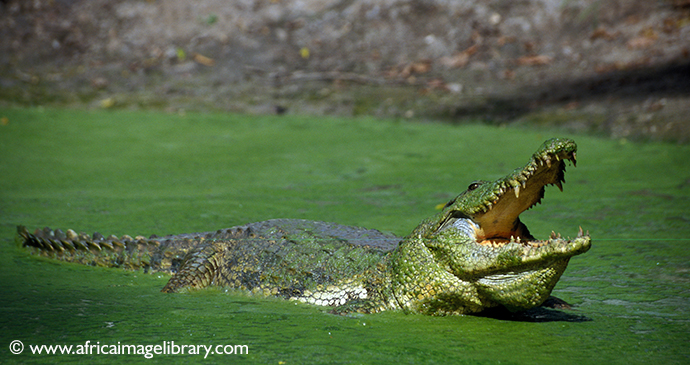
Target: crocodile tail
(96, 250)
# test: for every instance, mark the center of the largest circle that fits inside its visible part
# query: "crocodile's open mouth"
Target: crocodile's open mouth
(499, 221)
(493, 218)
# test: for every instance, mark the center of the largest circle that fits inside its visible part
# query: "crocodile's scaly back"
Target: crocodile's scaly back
(473, 255)
(316, 262)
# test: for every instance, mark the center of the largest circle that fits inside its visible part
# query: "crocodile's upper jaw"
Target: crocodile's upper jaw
(495, 207)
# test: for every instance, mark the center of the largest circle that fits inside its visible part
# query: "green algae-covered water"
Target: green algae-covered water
(144, 173)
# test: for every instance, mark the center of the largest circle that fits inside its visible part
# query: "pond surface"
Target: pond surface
(144, 173)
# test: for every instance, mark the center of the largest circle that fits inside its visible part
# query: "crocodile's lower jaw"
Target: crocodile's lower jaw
(516, 290)
(519, 235)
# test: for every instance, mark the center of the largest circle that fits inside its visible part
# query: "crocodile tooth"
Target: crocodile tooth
(560, 185)
(548, 162)
(579, 232)
(517, 191)
(553, 235)
(574, 159)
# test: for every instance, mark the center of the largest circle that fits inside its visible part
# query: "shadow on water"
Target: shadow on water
(553, 310)
(668, 80)
(539, 314)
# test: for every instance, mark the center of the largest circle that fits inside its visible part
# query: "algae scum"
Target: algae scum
(151, 173)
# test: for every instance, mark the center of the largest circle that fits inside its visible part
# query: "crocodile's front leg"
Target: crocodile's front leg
(423, 284)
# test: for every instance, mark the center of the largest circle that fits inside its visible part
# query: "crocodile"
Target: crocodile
(473, 255)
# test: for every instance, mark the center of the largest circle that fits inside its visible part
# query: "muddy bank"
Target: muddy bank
(618, 68)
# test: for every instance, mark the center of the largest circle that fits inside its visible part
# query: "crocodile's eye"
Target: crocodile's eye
(473, 186)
